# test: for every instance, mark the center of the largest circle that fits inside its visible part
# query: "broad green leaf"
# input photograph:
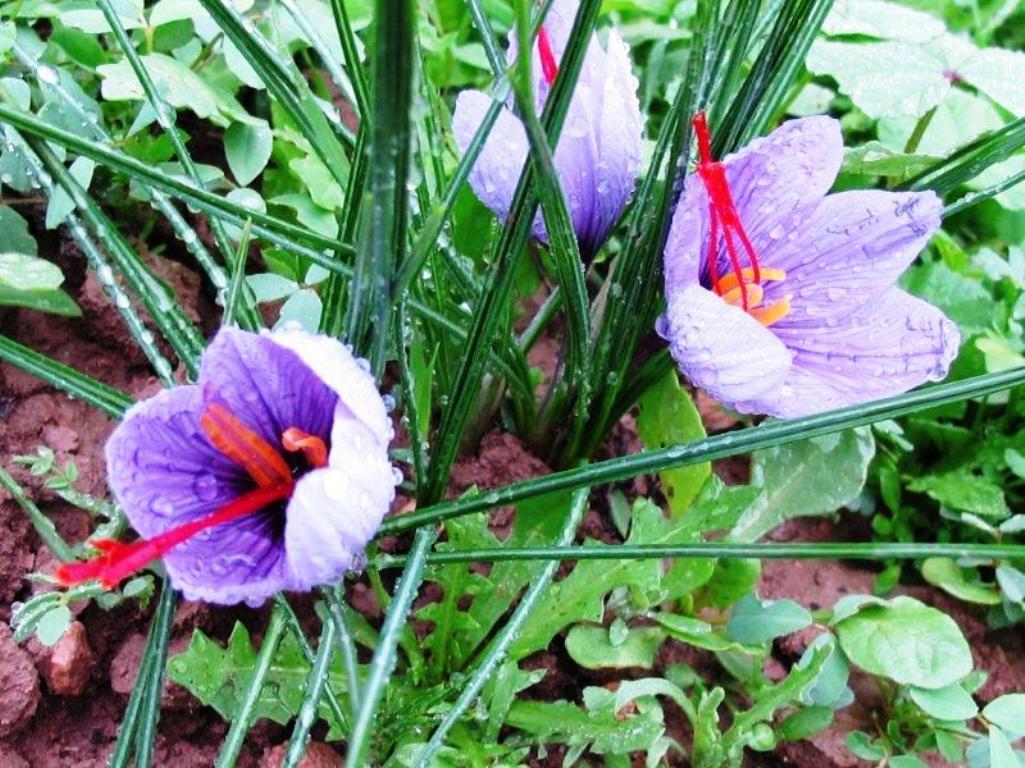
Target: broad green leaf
(34, 283)
(1007, 711)
(945, 573)
(862, 745)
(906, 761)
(14, 234)
(668, 416)
(53, 624)
(906, 641)
(303, 308)
(884, 79)
(590, 647)
(807, 478)
(805, 722)
(830, 687)
(756, 621)
(952, 702)
(1001, 754)
(178, 85)
(884, 20)
(247, 148)
(1012, 583)
(309, 213)
(698, 633)
(268, 286)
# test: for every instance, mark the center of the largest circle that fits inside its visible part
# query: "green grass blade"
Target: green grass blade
(499, 646)
(327, 60)
(383, 663)
(236, 288)
(232, 746)
(352, 61)
(490, 309)
(767, 435)
(867, 550)
(974, 198)
(383, 235)
(166, 120)
(315, 685)
(44, 526)
(273, 229)
(149, 709)
(287, 85)
(111, 401)
(971, 160)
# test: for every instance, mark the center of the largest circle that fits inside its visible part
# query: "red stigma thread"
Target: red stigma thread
(119, 561)
(548, 63)
(723, 215)
(262, 461)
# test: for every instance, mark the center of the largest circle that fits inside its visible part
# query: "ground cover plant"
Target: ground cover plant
(374, 392)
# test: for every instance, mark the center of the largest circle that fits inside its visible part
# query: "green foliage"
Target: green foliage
(25, 279)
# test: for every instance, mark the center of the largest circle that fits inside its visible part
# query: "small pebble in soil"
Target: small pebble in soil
(19, 685)
(71, 662)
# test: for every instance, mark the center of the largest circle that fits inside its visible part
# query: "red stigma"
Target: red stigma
(119, 561)
(723, 216)
(548, 64)
(263, 463)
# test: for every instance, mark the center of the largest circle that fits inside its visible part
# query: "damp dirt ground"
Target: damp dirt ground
(60, 707)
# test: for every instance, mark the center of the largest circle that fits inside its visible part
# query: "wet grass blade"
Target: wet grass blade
(166, 120)
(240, 725)
(385, 655)
(499, 646)
(974, 198)
(490, 309)
(287, 85)
(273, 229)
(236, 288)
(352, 61)
(767, 435)
(111, 401)
(867, 550)
(336, 612)
(315, 684)
(44, 526)
(382, 242)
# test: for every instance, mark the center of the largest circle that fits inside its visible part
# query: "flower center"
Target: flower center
(264, 464)
(548, 64)
(743, 286)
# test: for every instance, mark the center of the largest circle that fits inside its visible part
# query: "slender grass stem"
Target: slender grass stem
(351, 54)
(236, 737)
(44, 526)
(717, 447)
(385, 655)
(336, 614)
(790, 551)
(315, 684)
(499, 647)
(149, 709)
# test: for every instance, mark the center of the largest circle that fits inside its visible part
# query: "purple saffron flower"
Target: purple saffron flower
(781, 298)
(599, 149)
(271, 473)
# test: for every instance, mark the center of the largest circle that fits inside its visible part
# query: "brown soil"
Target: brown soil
(60, 707)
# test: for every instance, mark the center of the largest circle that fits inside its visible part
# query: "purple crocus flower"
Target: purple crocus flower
(781, 297)
(271, 473)
(599, 149)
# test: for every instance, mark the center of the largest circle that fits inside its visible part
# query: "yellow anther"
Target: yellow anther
(767, 274)
(754, 295)
(772, 313)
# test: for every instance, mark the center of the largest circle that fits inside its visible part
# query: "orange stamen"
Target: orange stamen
(730, 281)
(772, 313)
(752, 293)
(313, 448)
(119, 561)
(239, 443)
(548, 64)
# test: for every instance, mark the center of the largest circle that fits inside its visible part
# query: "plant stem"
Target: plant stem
(44, 526)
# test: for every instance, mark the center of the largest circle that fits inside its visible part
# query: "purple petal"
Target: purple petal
(348, 376)
(164, 472)
(266, 385)
(722, 349)
(853, 248)
(335, 511)
(890, 345)
(500, 162)
(773, 180)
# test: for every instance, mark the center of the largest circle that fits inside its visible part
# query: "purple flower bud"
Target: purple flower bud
(781, 297)
(599, 149)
